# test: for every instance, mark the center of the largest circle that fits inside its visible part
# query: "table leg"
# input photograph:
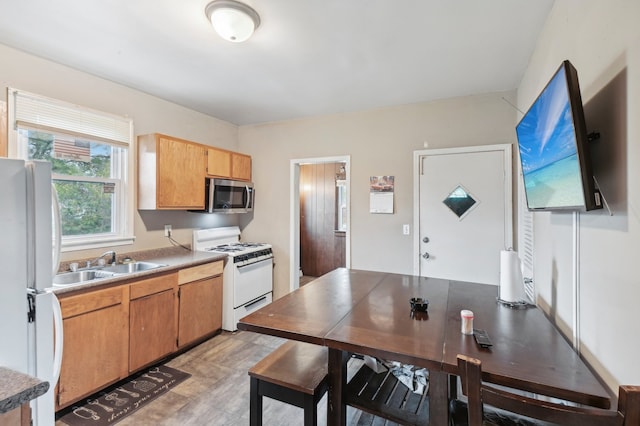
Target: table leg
(337, 367)
(438, 398)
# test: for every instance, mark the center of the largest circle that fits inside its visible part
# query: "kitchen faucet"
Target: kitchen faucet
(73, 267)
(111, 252)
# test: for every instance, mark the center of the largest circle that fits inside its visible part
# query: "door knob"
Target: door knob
(425, 255)
(425, 240)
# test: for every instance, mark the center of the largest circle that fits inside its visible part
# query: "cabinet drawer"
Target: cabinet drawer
(199, 272)
(152, 285)
(99, 299)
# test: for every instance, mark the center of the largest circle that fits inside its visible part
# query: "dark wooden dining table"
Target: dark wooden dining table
(368, 313)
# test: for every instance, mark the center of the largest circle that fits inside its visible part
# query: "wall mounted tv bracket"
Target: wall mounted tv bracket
(591, 137)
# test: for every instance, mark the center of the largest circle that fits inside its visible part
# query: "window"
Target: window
(90, 157)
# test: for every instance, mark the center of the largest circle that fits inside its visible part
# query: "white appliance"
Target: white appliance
(28, 312)
(248, 272)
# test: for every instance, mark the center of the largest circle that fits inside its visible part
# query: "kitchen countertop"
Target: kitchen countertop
(18, 388)
(174, 257)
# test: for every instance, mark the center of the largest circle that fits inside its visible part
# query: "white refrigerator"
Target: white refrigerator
(30, 320)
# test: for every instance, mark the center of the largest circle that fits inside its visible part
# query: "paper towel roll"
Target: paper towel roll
(511, 282)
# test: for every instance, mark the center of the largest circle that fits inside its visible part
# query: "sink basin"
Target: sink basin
(70, 278)
(129, 268)
(83, 276)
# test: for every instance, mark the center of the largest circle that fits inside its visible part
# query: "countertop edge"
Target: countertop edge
(18, 388)
(173, 261)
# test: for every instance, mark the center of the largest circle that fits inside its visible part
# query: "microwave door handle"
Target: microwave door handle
(246, 205)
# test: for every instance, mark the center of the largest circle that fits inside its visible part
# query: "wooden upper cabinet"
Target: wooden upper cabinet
(170, 173)
(228, 164)
(240, 166)
(218, 162)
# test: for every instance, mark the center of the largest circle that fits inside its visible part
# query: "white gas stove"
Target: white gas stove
(248, 272)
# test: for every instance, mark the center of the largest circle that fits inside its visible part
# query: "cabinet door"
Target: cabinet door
(152, 331)
(240, 166)
(218, 163)
(96, 342)
(180, 177)
(200, 309)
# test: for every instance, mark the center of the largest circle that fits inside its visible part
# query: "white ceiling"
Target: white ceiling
(308, 57)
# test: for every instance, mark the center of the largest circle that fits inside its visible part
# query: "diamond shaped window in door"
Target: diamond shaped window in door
(460, 201)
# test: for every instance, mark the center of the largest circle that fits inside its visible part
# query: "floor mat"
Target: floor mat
(113, 404)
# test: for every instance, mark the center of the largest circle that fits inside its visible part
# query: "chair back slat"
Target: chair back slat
(480, 393)
(551, 412)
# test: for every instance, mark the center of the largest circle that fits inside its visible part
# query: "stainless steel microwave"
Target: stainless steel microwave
(228, 196)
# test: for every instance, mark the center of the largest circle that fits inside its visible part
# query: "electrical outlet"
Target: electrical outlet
(167, 230)
(405, 229)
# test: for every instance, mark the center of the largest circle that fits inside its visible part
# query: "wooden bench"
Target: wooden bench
(295, 373)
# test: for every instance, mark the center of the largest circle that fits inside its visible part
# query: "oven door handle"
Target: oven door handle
(253, 263)
(255, 302)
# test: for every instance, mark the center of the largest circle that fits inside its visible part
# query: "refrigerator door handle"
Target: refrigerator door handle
(59, 339)
(57, 229)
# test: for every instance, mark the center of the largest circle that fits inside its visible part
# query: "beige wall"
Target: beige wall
(602, 40)
(380, 142)
(150, 115)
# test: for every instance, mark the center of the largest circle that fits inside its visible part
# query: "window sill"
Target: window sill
(83, 244)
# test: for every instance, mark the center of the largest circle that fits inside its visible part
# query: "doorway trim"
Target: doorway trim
(294, 213)
(508, 190)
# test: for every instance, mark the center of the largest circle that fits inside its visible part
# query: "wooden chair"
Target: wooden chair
(295, 373)
(522, 410)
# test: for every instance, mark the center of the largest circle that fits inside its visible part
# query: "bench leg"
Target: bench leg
(255, 404)
(310, 408)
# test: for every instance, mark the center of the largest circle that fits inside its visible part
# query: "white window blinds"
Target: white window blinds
(40, 113)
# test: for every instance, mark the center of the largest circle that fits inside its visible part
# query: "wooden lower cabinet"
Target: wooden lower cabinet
(200, 296)
(200, 309)
(96, 342)
(152, 325)
(20, 416)
(113, 332)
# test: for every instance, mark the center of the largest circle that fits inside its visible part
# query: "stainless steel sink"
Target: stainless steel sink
(86, 275)
(77, 277)
(129, 268)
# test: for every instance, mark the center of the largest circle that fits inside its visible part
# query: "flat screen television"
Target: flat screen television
(554, 148)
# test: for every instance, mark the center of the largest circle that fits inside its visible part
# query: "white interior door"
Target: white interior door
(464, 212)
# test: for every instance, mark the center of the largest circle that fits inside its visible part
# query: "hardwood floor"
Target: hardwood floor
(217, 393)
(305, 279)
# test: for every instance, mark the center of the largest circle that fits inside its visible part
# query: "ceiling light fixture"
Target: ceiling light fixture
(232, 20)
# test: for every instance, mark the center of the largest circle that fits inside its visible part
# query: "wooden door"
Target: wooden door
(152, 330)
(96, 342)
(218, 163)
(152, 320)
(322, 246)
(200, 309)
(240, 166)
(181, 177)
(465, 216)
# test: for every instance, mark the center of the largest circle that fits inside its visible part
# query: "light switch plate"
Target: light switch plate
(405, 229)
